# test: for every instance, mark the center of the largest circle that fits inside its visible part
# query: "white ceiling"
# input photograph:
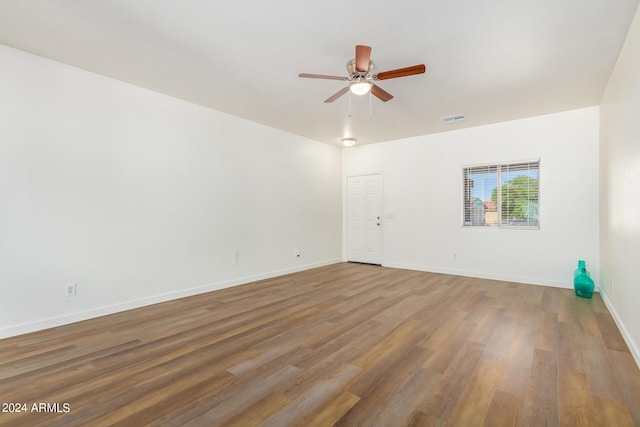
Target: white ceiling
(491, 60)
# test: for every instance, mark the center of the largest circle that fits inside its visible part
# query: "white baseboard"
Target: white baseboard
(633, 348)
(52, 322)
(483, 275)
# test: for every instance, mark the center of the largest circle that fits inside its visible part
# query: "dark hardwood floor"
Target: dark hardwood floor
(346, 345)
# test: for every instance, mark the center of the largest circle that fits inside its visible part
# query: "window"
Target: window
(503, 195)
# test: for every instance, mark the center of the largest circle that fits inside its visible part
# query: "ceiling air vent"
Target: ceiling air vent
(453, 118)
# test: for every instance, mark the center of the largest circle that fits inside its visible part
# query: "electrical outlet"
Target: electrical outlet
(70, 290)
(235, 257)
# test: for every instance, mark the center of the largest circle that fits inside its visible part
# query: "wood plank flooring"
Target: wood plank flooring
(343, 345)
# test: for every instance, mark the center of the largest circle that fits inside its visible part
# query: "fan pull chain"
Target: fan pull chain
(349, 104)
(370, 113)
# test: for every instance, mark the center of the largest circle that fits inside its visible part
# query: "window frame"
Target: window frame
(499, 168)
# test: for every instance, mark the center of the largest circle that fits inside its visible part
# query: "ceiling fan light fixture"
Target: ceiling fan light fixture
(360, 87)
(348, 142)
(361, 77)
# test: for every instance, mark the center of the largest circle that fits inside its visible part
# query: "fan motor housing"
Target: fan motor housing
(351, 68)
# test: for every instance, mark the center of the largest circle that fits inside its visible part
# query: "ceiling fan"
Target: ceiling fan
(361, 78)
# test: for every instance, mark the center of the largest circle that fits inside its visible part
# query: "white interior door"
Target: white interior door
(364, 219)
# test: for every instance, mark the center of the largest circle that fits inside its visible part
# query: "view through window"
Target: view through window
(501, 195)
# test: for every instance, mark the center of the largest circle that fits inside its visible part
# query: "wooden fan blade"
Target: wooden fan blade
(322, 76)
(363, 54)
(337, 95)
(380, 93)
(401, 72)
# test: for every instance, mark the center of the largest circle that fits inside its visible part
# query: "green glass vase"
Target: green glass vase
(582, 282)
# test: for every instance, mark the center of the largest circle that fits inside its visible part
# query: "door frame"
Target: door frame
(345, 214)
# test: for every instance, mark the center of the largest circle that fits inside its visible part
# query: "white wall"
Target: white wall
(620, 190)
(138, 197)
(423, 199)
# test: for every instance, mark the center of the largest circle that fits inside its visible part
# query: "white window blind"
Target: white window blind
(501, 195)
